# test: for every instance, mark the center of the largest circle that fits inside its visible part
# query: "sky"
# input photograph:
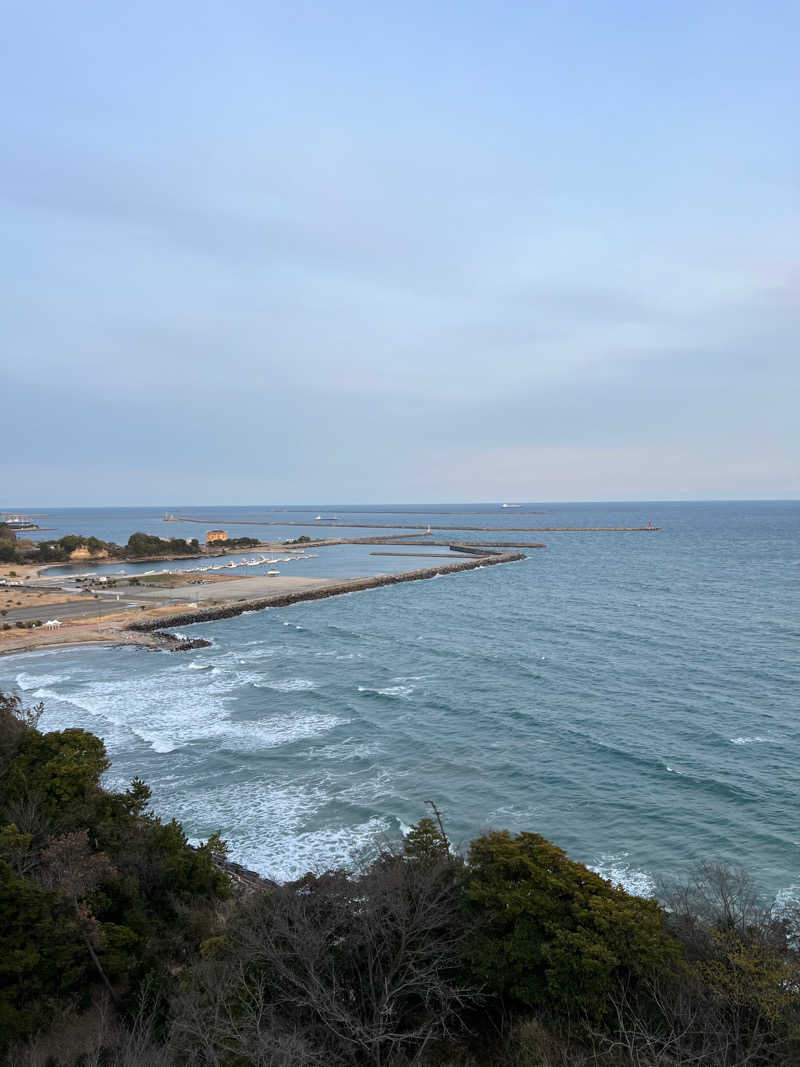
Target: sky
(357, 252)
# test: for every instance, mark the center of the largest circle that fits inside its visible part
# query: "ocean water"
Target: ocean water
(632, 696)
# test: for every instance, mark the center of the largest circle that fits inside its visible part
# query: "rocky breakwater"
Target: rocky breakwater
(474, 550)
(173, 643)
(349, 585)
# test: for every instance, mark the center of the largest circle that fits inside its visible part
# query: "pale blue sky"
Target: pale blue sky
(430, 252)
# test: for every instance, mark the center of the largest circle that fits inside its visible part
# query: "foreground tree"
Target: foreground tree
(553, 935)
(736, 1000)
(95, 892)
(337, 970)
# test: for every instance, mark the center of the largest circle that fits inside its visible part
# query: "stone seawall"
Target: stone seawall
(426, 541)
(350, 585)
(474, 550)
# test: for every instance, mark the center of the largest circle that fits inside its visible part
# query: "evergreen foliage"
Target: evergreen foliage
(8, 544)
(92, 887)
(425, 842)
(41, 955)
(552, 934)
(140, 545)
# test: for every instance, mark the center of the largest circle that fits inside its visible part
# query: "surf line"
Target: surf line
(349, 585)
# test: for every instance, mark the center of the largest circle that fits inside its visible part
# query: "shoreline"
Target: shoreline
(128, 629)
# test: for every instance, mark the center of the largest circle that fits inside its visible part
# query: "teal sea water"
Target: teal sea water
(632, 696)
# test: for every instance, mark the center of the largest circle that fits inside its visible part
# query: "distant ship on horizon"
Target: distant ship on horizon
(511, 505)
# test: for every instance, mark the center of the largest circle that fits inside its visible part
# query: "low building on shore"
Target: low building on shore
(215, 535)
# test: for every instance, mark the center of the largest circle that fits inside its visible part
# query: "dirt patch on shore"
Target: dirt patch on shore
(19, 597)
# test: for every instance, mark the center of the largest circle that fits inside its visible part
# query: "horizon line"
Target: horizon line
(418, 503)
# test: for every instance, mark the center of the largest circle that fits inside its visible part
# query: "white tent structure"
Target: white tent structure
(52, 624)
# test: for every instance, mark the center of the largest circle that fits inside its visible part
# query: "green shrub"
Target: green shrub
(551, 933)
(94, 887)
(42, 958)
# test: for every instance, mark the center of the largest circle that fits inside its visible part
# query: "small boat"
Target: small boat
(273, 574)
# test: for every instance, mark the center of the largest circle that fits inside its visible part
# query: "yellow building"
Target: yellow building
(215, 535)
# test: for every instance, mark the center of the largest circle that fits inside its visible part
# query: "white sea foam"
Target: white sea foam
(348, 749)
(254, 655)
(388, 691)
(62, 713)
(270, 828)
(174, 708)
(616, 869)
(164, 711)
(27, 682)
(290, 685)
(787, 898)
(272, 733)
(373, 790)
(341, 846)
(751, 740)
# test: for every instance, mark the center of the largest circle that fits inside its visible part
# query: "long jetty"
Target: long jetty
(351, 585)
(372, 511)
(442, 544)
(400, 526)
(415, 555)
